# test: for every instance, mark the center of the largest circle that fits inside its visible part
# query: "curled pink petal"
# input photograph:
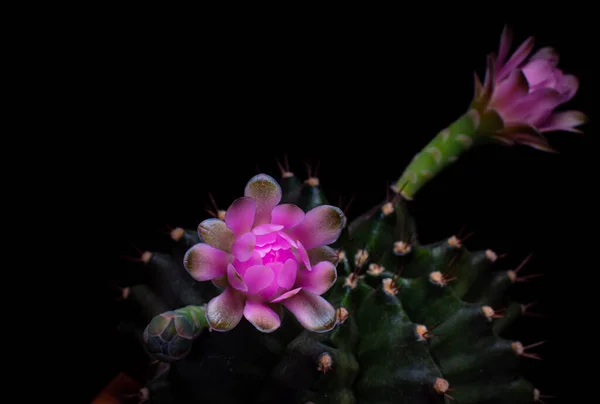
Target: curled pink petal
(321, 226)
(323, 253)
(287, 215)
(225, 311)
(537, 72)
(243, 247)
(287, 275)
(505, 43)
(263, 317)
(536, 106)
(235, 279)
(548, 53)
(240, 215)
(516, 59)
(312, 311)
(564, 120)
(214, 232)
(568, 87)
(266, 228)
(267, 194)
(319, 280)
(258, 277)
(286, 295)
(205, 262)
(265, 239)
(288, 239)
(304, 255)
(511, 90)
(280, 243)
(241, 267)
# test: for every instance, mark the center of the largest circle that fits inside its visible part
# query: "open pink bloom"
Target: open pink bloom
(525, 93)
(265, 255)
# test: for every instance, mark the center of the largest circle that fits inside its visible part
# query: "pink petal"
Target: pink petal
(319, 280)
(304, 256)
(266, 239)
(221, 282)
(537, 106)
(276, 267)
(510, 90)
(323, 253)
(287, 215)
(284, 255)
(263, 250)
(261, 316)
(243, 247)
(267, 194)
(287, 274)
(240, 215)
(564, 120)
(205, 262)
(567, 87)
(287, 238)
(225, 311)
(548, 53)
(286, 295)
(280, 243)
(215, 233)
(312, 311)
(266, 228)
(537, 72)
(516, 59)
(321, 225)
(235, 279)
(505, 43)
(258, 277)
(241, 267)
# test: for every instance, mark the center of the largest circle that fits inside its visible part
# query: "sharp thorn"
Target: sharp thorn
(286, 162)
(449, 396)
(212, 200)
(534, 345)
(528, 277)
(531, 356)
(465, 238)
(281, 169)
(522, 264)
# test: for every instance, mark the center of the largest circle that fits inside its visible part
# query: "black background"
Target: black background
(191, 108)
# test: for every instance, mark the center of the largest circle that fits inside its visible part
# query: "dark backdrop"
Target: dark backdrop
(190, 110)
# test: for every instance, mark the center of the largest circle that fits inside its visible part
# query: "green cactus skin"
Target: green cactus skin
(415, 325)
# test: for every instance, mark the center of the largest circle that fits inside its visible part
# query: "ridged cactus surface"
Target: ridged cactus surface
(413, 323)
(280, 299)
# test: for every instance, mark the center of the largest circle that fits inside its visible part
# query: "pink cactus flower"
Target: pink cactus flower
(524, 94)
(265, 255)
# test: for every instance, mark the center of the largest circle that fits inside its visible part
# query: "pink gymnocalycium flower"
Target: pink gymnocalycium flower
(524, 94)
(265, 255)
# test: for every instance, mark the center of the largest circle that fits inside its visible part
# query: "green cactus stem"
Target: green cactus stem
(444, 149)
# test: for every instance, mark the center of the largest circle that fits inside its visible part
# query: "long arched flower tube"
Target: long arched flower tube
(515, 105)
(264, 255)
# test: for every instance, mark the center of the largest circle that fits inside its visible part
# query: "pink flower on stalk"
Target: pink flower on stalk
(525, 94)
(265, 255)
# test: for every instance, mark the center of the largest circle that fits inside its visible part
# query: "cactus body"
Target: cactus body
(415, 324)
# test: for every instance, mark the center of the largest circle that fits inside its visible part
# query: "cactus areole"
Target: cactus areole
(278, 300)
